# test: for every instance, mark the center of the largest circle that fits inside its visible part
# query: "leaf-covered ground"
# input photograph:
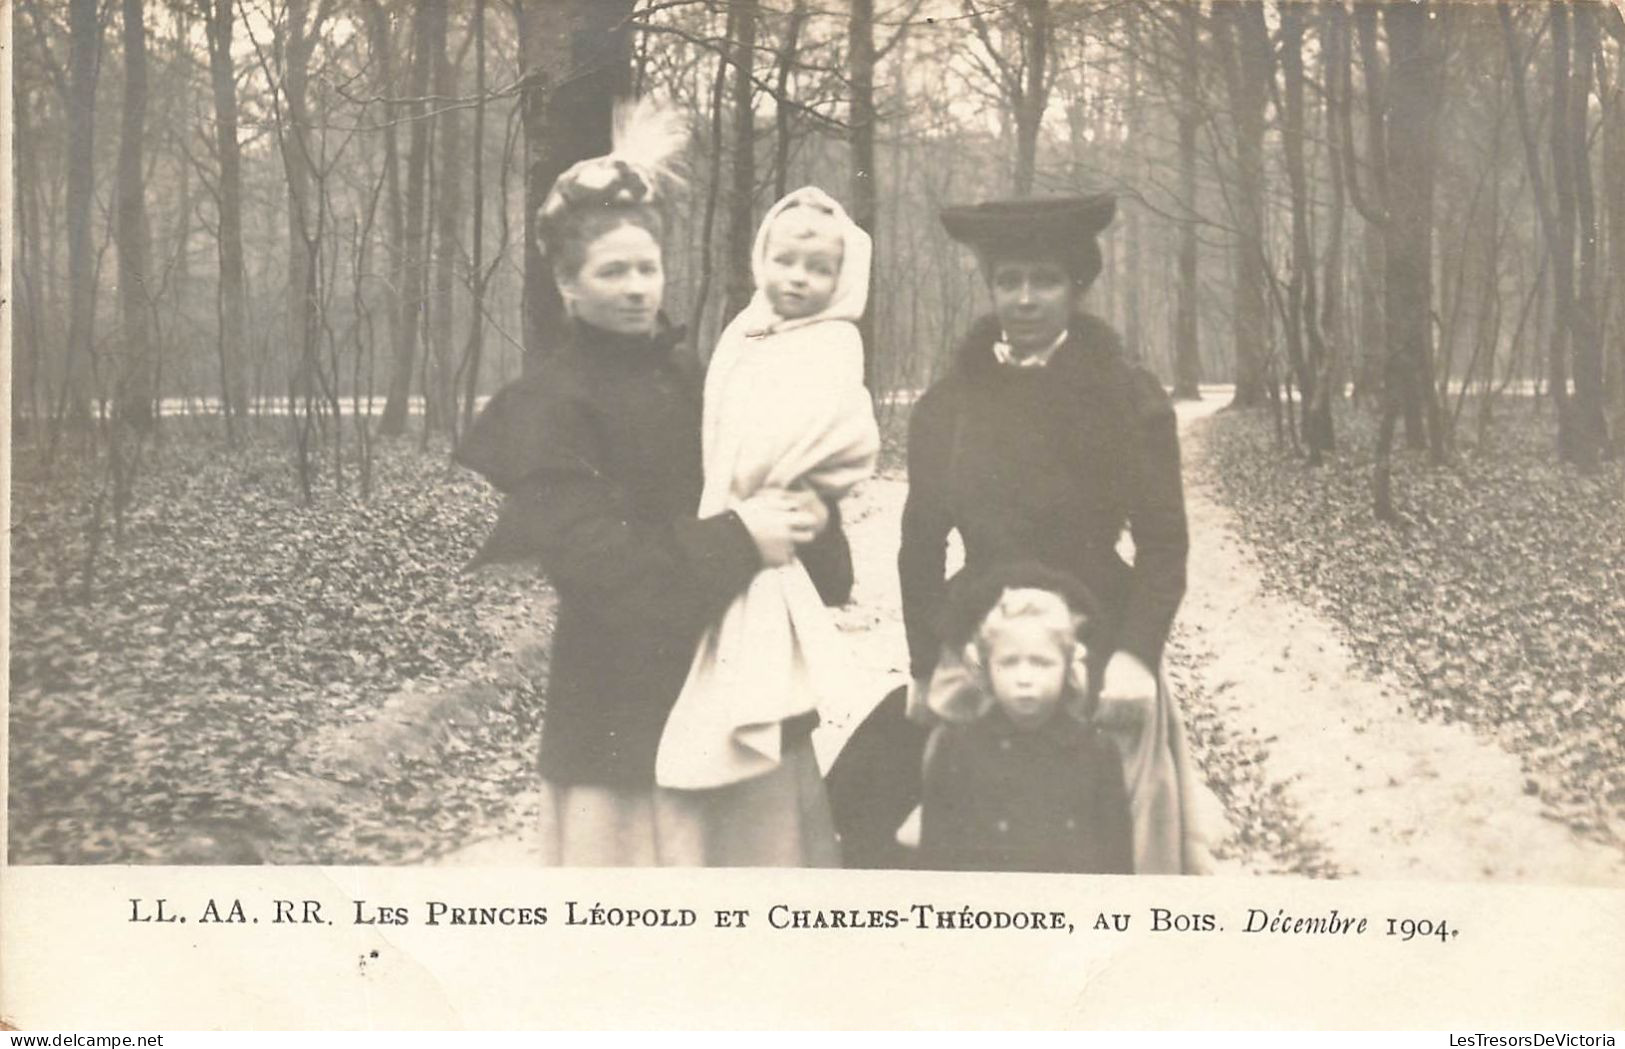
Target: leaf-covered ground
(160, 707)
(1500, 601)
(246, 679)
(1266, 832)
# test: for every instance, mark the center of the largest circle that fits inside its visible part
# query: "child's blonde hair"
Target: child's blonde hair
(1030, 604)
(961, 690)
(1019, 604)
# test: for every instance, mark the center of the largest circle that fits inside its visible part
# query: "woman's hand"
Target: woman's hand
(778, 520)
(816, 508)
(1127, 695)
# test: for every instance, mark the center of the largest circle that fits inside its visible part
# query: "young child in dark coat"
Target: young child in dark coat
(1017, 779)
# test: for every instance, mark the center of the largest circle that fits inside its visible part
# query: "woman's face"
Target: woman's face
(1033, 298)
(620, 283)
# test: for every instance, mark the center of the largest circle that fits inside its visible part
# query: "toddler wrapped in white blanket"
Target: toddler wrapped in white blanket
(785, 406)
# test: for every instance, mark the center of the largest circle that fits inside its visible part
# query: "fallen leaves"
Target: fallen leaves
(161, 695)
(1500, 602)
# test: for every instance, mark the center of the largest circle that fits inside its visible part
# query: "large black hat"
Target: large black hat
(1059, 227)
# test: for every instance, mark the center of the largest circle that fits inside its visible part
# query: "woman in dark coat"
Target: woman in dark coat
(598, 454)
(1044, 441)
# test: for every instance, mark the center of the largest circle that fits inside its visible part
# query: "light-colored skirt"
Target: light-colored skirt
(778, 819)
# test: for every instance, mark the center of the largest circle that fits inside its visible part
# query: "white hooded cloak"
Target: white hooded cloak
(785, 405)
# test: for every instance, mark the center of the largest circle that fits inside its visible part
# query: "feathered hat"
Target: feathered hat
(640, 168)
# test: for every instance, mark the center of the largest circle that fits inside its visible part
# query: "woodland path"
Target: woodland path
(1382, 794)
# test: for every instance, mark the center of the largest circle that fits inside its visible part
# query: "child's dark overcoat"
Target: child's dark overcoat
(999, 798)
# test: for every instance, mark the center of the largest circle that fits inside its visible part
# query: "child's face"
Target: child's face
(803, 263)
(1027, 671)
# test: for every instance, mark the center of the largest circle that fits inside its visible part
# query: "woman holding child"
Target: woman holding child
(1043, 443)
(608, 484)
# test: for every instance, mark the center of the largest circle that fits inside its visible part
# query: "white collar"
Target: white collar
(1006, 355)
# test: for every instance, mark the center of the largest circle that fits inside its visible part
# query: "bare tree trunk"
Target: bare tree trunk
(1412, 152)
(742, 181)
(1563, 246)
(299, 43)
(1374, 291)
(449, 177)
(1034, 93)
(85, 59)
(28, 270)
(136, 387)
(1188, 359)
(218, 23)
(1614, 161)
(1589, 424)
(1300, 288)
(1410, 335)
(1326, 334)
(381, 53)
(428, 40)
(476, 263)
(782, 112)
(1248, 69)
(708, 226)
(577, 58)
(865, 203)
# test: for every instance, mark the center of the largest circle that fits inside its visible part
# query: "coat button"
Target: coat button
(1004, 744)
(1071, 824)
(1003, 826)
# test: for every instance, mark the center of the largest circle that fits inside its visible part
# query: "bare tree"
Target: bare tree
(428, 39)
(1563, 189)
(1373, 288)
(1412, 158)
(1187, 346)
(1305, 344)
(136, 385)
(479, 277)
(713, 195)
(1248, 64)
(1016, 61)
(742, 181)
(1327, 331)
(218, 22)
(1589, 425)
(380, 53)
(865, 199)
(84, 62)
(1613, 95)
(784, 115)
(450, 176)
(577, 59)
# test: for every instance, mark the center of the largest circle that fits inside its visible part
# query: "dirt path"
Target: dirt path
(1389, 796)
(1383, 794)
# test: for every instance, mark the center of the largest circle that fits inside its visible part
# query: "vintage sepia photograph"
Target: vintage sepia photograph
(1137, 437)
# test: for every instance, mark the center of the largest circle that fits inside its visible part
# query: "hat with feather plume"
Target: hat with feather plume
(639, 170)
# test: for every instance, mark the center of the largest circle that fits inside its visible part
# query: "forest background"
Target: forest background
(269, 256)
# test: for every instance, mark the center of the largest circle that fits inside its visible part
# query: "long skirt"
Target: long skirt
(779, 819)
(1176, 817)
